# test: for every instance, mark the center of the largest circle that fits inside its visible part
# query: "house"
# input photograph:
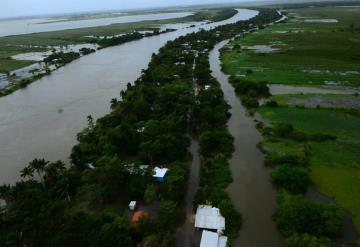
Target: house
(212, 239)
(210, 218)
(138, 215)
(160, 174)
(132, 205)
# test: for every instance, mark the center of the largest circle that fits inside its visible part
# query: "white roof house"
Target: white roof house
(208, 217)
(160, 173)
(212, 239)
(132, 205)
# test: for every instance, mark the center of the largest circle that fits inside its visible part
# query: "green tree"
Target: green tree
(307, 240)
(168, 215)
(291, 178)
(296, 215)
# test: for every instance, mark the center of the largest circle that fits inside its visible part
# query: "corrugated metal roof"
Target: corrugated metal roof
(208, 217)
(160, 172)
(212, 239)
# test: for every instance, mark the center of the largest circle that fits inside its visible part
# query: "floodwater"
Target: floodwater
(38, 25)
(279, 89)
(251, 191)
(187, 236)
(42, 120)
(349, 230)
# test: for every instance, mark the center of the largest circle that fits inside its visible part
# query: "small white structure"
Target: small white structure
(208, 217)
(160, 173)
(132, 205)
(212, 239)
(140, 129)
(207, 87)
(90, 166)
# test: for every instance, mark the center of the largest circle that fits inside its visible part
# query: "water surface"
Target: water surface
(42, 120)
(251, 191)
(38, 25)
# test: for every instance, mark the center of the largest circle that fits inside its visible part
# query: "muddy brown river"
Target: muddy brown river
(42, 120)
(251, 191)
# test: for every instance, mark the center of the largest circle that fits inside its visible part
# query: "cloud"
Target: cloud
(11, 8)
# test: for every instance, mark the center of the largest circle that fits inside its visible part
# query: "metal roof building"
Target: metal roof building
(160, 173)
(212, 239)
(208, 217)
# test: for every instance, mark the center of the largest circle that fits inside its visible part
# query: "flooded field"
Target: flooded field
(278, 89)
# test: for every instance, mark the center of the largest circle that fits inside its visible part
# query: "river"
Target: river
(251, 191)
(42, 120)
(38, 25)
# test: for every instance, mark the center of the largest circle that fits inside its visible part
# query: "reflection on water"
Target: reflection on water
(251, 191)
(278, 89)
(26, 26)
(30, 123)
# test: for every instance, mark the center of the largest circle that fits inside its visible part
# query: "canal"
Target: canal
(251, 191)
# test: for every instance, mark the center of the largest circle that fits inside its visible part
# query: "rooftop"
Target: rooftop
(212, 239)
(208, 217)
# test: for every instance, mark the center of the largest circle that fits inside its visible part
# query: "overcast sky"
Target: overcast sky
(12, 8)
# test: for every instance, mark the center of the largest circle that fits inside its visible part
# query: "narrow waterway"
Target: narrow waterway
(186, 235)
(251, 191)
(42, 120)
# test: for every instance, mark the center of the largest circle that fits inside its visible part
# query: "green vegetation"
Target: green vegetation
(303, 144)
(297, 215)
(86, 204)
(104, 36)
(334, 163)
(290, 178)
(298, 52)
(307, 240)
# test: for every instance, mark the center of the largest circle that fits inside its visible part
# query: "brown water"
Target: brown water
(279, 89)
(42, 120)
(251, 191)
(186, 235)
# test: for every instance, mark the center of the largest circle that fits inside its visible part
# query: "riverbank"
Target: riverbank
(59, 57)
(303, 134)
(113, 162)
(250, 189)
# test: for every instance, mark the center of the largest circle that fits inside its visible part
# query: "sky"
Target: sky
(14, 8)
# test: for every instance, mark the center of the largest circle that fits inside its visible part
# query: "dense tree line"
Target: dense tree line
(85, 204)
(118, 40)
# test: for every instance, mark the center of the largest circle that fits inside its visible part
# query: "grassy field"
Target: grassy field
(343, 125)
(304, 52)
(335, 165)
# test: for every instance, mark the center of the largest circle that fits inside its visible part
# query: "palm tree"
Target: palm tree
(27, 172)
(39, 166)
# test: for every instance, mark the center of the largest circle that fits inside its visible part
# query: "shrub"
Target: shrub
(307, 240)
(273, 159)
(250, 102)
(291, 178)
(216, 141)
(297, 215)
